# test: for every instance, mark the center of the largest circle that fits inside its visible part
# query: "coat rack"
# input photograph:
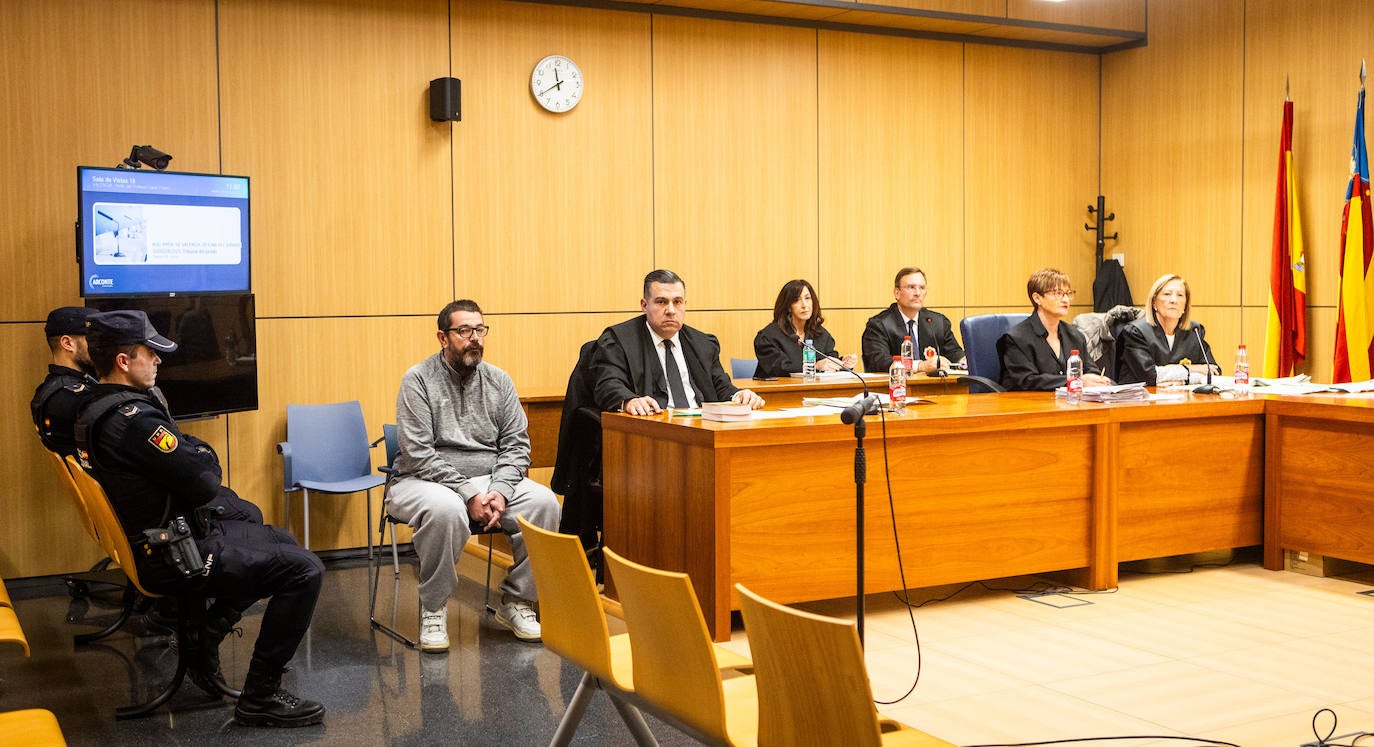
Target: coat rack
(1101, 228)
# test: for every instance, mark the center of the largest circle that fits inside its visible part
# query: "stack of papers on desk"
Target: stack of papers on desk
(1115, 393)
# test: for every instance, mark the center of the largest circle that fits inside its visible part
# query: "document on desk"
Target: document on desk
(842, 402)
(1114, 393)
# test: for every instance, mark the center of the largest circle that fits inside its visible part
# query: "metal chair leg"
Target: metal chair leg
(567, 726)
(634, 720)
(375, 576)
(130, 599)
(305, 504)
(490, 545)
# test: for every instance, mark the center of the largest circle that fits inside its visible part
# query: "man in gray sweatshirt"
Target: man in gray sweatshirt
(462, 463)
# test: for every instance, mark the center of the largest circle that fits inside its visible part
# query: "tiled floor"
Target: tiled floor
(1235, 653)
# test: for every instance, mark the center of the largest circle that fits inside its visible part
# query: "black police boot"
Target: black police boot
(265, 703)
(203, 665)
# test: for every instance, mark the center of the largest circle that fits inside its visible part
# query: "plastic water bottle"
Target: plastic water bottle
(1074, 385)
(808, 362)
(1242, 378)
(896, 383)
(908, 354)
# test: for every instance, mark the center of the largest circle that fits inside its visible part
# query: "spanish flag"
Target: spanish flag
(1285, 341)
(1355, 325)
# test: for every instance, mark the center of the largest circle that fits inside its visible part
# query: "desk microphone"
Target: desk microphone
(1209, 387)
(937, 372)
(866, 404)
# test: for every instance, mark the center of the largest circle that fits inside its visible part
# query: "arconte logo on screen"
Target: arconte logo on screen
(95, 281)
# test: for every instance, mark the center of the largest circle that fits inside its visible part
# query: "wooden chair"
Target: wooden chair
(676, 668)
(10, 630)
(813, 686)
(191, 609)
(5, 596)
(34, 727)
(81, 587)
(574, 627)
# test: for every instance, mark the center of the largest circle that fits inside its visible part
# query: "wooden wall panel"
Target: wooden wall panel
(993, 8)
(734, 157)
(569, 194)
(1106, 14)
(1171, 149)
(540, 350)
(1030, 164)
(1315, 47)
(44, 533)
(325, 106)
(890, 164)
(76, 91)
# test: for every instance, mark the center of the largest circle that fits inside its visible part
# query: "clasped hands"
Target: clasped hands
(487, 509)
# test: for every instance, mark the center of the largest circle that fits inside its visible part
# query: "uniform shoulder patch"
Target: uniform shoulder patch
(163, 439)
(128, 410)
(76, 388)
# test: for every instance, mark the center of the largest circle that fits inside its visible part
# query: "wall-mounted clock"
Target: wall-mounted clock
(556, 83)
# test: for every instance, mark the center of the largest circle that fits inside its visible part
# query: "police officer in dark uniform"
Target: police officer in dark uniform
(70, 379)
(153, 473)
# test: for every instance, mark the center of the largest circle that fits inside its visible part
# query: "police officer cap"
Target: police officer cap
(68, 320)
(114, 328)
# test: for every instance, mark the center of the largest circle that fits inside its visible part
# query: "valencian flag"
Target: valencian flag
(1355, 325)
(1285, 341)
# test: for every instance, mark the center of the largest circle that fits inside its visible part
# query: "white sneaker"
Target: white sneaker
(434, 629)
(518, 615)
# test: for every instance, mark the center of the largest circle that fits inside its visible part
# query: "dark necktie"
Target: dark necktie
(915, 344)
(671, 371)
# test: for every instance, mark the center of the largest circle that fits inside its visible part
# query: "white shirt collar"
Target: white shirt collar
(658, 341)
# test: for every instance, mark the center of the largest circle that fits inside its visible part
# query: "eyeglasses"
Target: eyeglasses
(467, 332)
(1068, 294)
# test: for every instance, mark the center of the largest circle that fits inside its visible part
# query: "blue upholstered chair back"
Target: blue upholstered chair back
(980, 335)
(329, 443)
(743, 368)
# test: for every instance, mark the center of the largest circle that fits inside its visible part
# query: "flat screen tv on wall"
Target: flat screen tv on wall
(161, 233)
(214, 369)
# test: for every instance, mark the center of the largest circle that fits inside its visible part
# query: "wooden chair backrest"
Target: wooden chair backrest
(570, 613)
(107, 526)
(812, 682)
(674, 659)
(64, 476)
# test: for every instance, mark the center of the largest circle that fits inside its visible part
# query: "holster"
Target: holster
(178, 547)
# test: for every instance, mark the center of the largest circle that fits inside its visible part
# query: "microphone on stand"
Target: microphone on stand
(868, 401)
(1209, 387)
(936, 372)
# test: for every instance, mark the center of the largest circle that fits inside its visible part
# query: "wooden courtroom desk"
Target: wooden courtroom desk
(1319, 478)
(984, 486)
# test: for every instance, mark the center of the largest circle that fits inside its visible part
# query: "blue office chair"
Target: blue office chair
(327, 451)
(980, 335)
(743, 368)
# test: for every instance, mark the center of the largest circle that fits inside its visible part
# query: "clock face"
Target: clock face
(556, 83)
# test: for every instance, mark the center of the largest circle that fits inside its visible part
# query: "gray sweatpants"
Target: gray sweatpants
(440, 520)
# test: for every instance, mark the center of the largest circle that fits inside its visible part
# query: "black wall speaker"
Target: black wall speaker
(446, 100)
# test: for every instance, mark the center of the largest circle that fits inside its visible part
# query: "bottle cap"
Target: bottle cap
(896, 358)
(1242, 347)
(1073, 352)
(906, 337)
